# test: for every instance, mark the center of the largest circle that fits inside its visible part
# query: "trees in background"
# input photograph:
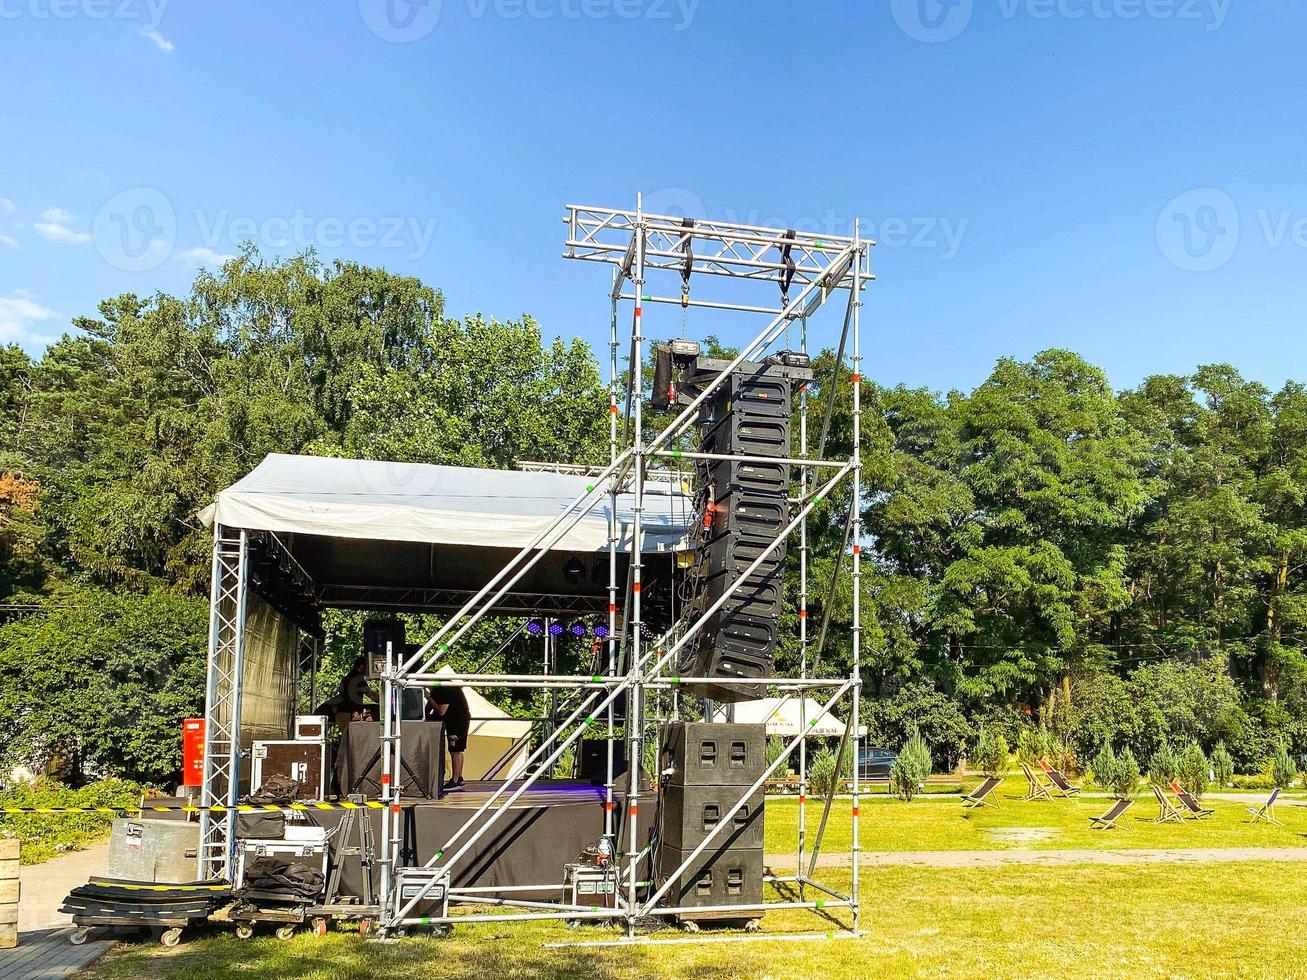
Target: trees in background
(1040, 553)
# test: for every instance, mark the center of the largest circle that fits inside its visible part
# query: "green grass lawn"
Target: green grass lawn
(941, 824)
(1210, 920)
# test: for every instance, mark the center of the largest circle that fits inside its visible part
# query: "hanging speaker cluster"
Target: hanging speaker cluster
(742, 505)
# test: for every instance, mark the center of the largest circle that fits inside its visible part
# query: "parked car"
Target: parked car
(875, 763)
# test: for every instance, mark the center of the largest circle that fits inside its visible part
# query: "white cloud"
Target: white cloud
(6, 240)
(204, 256)
(18, 314)
(54, 226)
(160, 42)
(6, 204)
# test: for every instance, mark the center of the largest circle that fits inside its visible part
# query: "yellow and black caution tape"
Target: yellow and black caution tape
(118, 885)
(300, 807)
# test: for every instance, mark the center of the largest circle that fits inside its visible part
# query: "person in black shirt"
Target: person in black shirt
(449, 705)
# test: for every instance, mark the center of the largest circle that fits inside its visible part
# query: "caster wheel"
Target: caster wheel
(689, 926)
(285, 932)
(79, 937)
(442, 932)
(365, 928)
(401, 933)
(244, 931)
(170, 938)
(574, 923)
(753, 925)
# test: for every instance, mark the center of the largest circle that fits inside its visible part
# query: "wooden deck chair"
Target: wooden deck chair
(1166, 810)
(1266, 811)
(1190, 802)
(1108, 820)
(1038, 790)
(1058, 779)
(980, 795)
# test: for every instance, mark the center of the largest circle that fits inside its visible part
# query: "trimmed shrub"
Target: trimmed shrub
(45, 836)
(1162, 767)
(910, 769)
(1283, 771)
(1222, 766)
(774, 749)
(1104, 766)
(991, 753)
(1195, 770)
(1125, 776)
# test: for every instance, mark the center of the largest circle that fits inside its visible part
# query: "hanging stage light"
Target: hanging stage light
(601, 630)
(535, 627)
(578, 628)
(555, 628)
(574, 571)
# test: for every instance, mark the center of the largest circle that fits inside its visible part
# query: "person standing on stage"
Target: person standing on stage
(449, 705)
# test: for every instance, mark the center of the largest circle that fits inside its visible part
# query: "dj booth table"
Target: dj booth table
(544, 830)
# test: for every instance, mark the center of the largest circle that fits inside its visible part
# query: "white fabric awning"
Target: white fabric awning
(782, 717)
(455, 505)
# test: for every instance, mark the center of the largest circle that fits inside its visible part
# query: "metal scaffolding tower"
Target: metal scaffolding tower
(638, 662)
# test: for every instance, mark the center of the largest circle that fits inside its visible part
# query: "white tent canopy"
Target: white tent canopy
(782, 717)
(490, 736)
(449, 505)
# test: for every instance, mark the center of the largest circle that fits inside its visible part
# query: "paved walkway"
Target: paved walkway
(46, 953)
(43, 949)
(990, 859)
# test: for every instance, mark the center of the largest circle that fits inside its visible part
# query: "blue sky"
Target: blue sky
(1121, 177)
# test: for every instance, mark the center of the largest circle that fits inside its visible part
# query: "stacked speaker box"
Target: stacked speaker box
(705, 769)
(744, 507)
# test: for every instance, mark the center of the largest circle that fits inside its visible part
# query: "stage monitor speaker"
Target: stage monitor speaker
(690, 813)
(718, 876)
(376, 634)
(594, 760)
(702, 753)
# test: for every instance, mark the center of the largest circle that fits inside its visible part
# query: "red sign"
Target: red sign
(193, 752)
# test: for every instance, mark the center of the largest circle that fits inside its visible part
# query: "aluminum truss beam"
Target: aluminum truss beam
(229, 587)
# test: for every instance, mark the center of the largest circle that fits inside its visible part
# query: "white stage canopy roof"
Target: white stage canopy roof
(452, 505)
(781, 717)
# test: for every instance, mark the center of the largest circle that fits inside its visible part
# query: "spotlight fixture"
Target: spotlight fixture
(578, 628)
(601, 630)
(535, 627)
(555, 628)
(574, 571)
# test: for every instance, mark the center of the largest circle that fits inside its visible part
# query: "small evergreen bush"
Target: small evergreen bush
(1125, 776)
(910, 769)
(821, 773)
(1195, 770)
(991, 753)
(1222, 766)
(1032, 745)
(1104, 766)
(1162, 767)
(1283, 771)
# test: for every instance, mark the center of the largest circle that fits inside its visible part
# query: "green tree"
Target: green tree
(991, 753)
(1194, 769)
(1283, 771)
(910, 769)
(1104, 766)
(1222, 766)
(1125, 776)
(1163, 766)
